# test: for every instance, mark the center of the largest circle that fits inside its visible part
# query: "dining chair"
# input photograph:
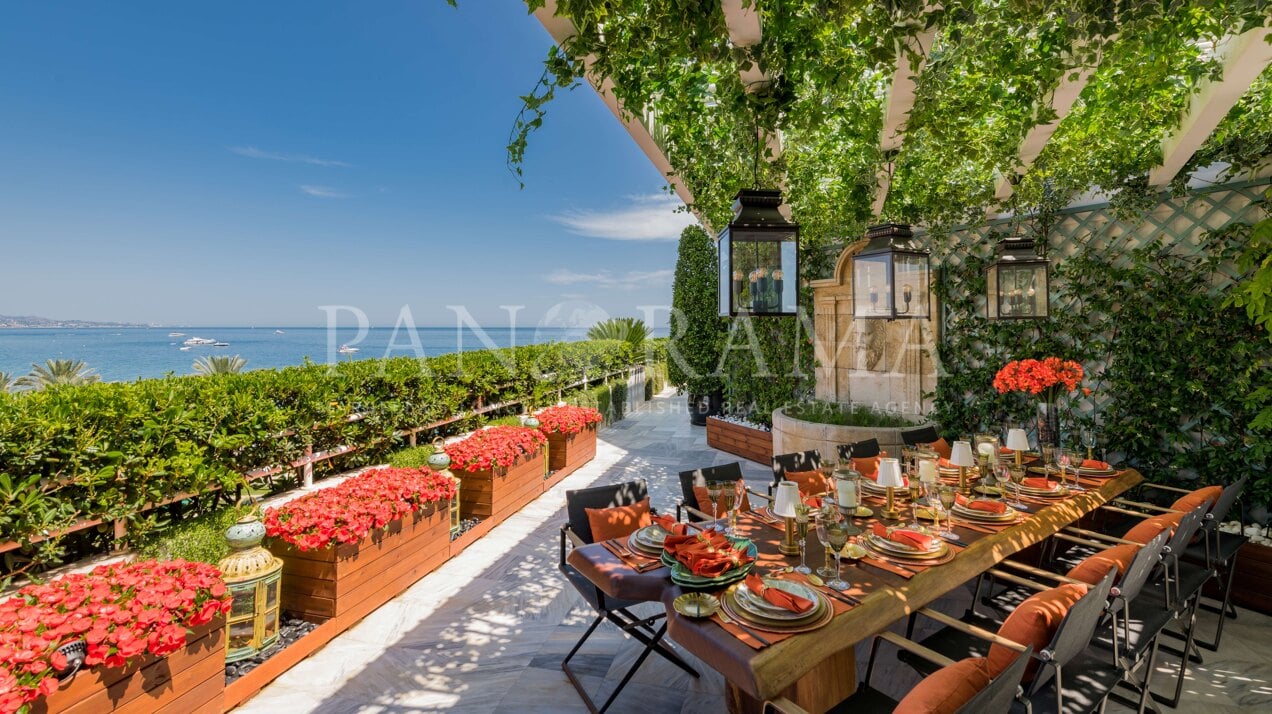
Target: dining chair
(797, 461)
(1062, 678)
(953, 684)
(922, 435)
(864, 449)
(687, 506)
(577, 531)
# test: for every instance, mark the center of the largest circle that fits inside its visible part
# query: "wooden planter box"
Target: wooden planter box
(469, 537)
(495, 495)
(191, 679)
(1252, 581)
(567, 452)
(243, 688)
(753, 444)
(345, 582)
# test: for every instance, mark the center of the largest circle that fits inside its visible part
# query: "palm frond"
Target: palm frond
(58, 372)
(219, 365)
(627, 329)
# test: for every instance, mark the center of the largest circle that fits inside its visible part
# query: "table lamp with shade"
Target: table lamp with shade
(784, 502)
(1018, 441)
(961, 456)
(890, 478)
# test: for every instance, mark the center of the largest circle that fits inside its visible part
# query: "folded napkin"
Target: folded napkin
(777, 596)
(669, 524)
(1095, 464)
(706, 554)
(981, 504)
(945, 463)
(1041, 484)
(914, 539)
(813, 502)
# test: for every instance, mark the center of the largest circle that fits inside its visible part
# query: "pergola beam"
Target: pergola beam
(745, 31)
(1061, 102)
(1243, 58)
(897, 107)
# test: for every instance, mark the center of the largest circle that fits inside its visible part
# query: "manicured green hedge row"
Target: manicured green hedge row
(108, 451)
(609, 399)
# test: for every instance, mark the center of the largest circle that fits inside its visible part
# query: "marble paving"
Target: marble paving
(486, 632)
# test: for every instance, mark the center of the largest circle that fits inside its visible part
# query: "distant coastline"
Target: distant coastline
(36, 322)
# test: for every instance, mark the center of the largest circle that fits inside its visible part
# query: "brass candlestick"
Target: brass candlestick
(891, 512)
(790, 542)
(1020, 458)
(963, 487)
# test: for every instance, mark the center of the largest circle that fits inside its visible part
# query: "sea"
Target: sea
(125, 354)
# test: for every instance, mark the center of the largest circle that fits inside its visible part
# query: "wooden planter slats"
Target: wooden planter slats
(495, 495)
(190, 679)
(243, 688)
(347, 581)
(753, 444)
(567, 452)
(1252, 581)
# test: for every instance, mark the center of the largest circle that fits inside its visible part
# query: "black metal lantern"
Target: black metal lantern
(1018, 285)
(759, 258)
(892, 277)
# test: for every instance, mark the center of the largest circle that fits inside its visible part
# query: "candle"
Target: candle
(985, 448)
(846, 492)
(927, 471)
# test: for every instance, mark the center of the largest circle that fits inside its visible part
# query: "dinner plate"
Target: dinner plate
(988, 490)
(728, 602)
(937, 559)
(653, 534)
(1097, 473)
(634, 543)
(973, 514)
(756, 604)
(901, 550)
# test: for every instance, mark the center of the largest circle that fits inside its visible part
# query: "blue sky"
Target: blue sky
(243, 163)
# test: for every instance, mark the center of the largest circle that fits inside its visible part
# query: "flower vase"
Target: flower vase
(1048, 423)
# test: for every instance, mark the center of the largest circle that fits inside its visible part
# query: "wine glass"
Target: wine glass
(947, 495)
(838, 539)
(801, 523)
(823, 534)
(713, 494)
(1017, 476)
(1064, 459)
(827, 468)
(728, 497)
(1090, 439)
(916, 495)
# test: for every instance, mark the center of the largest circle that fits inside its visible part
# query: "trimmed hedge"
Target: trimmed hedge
(609, 399)
(110, 451)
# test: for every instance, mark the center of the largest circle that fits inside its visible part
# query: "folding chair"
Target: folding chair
(922, 435)
(798, 461)
(865, 449)
(687, 507)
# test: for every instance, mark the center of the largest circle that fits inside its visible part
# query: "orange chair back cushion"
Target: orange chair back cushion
(1148, 529)
(1033, 622)
(1187, 503)
(946, 689)
(941, 447)
(1092, 570)
(617, 521)
(869, 467)
(810, 482)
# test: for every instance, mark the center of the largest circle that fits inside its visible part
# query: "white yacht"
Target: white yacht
(199, 341)
(347, 350)
(176, 334)
(220, 344)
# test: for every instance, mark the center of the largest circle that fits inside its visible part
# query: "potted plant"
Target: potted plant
(693, 352)
(500, 469)
(571, 434)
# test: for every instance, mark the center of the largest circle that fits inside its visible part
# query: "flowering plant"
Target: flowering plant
(567, 419)
(494, 446)
(349, 512)
(122, 611)
(1047, 377)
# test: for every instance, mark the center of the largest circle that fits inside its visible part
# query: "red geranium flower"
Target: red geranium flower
(1047, 377)
(567, 419)
(495, 446)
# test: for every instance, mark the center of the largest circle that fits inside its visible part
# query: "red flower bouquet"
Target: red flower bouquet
(122, 611)
(567, 419)
(1046, 377)
(496, 446)
(349, 512)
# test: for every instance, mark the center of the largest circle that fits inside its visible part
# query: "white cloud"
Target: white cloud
(323, 191)
(252, 152)
(630, 280)
(651, 217)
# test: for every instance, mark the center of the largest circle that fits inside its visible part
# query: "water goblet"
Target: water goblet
(827, 468)
(838, 539)
(1064, 459)
(801, 523)
(713, 494)
(728, 498)
(948, 497)
(1090, 439)
(916, 495)
(1017, 476)
(823, 534)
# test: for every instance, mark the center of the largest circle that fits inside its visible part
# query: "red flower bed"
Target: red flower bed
(496, 446)
(1034, 376)
(349, 512)
(567, 419)
(122, 611)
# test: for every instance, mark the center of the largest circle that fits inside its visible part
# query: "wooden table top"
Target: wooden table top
(885, 597)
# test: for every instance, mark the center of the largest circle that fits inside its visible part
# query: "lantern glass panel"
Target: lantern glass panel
(911, 287)
(872, 286)
(759, 272)
(271, 592)
(244, 600)
(271, 624)
(242, 633)
(730, 282)
(1022, 290)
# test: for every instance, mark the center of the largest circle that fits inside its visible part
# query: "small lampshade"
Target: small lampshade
(927, 471)
(961, 454)
(786, 499)
(890, 473)
(1017, 440)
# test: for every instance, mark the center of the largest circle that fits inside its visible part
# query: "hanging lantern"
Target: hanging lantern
(759, 258)
(892, 277)
(253, 576)
(1018, 285)
(440, 462)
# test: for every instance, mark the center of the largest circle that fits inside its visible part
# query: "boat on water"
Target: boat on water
(347, 350)
(184, 349)
(176, 334)
(220, 344)
(279, 332)
(199, 341)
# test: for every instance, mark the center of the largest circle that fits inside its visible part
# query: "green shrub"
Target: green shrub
(696, 326)
(199, 539)
(412, 457)
(609, 399)
(821, 412)
(655, 379)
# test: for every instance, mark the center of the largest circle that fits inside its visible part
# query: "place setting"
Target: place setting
(707, 559)
(902, 550)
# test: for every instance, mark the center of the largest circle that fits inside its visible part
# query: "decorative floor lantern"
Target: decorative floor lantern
(1018, 286)
(892, 277)
(253, 576)
(759, 258)
(440, 462)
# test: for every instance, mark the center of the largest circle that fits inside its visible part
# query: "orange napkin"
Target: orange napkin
(778, 597)
(981, 504)
(913, 539)
(813, 502)
(945, 463)
(669, 524)
(1095, 464)
(706, 554)
(1041, 484)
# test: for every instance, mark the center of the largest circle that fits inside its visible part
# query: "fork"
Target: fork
(730, 621)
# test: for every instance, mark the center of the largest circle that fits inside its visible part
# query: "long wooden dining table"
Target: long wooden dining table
(817, 669)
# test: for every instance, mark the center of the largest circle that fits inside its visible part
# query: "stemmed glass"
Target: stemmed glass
(1089, 440)
(801, 522)
(823, 534)
(713, 493)
(827, 468)
(916, 495)
(838, 539)
(946, 495)
(729, 496)
(1064, 459)
(1017, 477)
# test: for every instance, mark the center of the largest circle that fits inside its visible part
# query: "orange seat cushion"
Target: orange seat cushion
(810, 482)
(946, 689)
(617, 521)
(1187, 503)
(1093, 569)
(1148, 529)
(1033, 622)
(703, 497)
(941, 447)
(869, 467)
